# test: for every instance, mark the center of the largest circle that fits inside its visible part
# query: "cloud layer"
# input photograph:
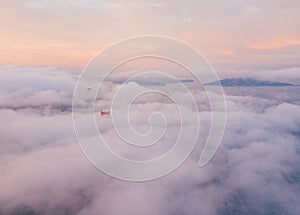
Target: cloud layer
(43, 171)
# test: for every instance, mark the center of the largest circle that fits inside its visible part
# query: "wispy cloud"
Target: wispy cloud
(253, 10)
(225, 52)
(274, 44)
(93, 4)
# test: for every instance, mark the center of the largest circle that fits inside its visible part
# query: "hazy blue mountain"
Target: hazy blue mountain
(248, 82)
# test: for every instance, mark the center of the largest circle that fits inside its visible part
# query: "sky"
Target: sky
(45, 44)
(233, 34)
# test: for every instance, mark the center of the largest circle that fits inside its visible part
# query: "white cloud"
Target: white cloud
(255, 171)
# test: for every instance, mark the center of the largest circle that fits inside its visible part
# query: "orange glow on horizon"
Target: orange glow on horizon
(276, 44)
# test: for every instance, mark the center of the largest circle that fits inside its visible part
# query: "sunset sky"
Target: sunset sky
(149, 125)
(233, 34)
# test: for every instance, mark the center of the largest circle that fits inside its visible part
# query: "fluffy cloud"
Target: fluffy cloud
(31, 87)
(43, 171)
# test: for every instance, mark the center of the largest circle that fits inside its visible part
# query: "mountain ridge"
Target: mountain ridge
(248, 82)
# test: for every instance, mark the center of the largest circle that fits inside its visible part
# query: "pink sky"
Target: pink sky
(231, 34)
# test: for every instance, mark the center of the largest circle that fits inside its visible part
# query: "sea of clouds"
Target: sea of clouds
(256, 170)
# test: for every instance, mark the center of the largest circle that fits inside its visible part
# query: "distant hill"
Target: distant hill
(248, 82)
(153, 81)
